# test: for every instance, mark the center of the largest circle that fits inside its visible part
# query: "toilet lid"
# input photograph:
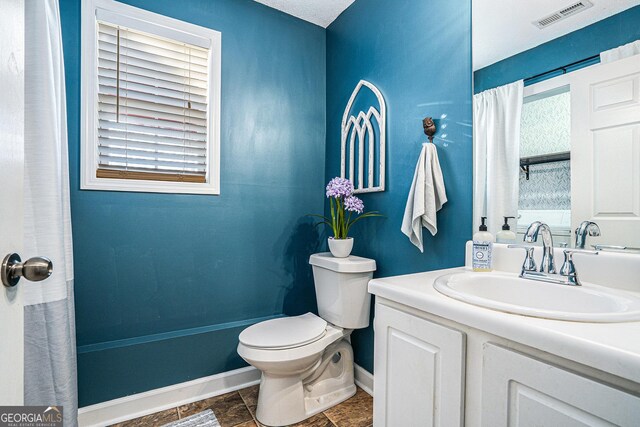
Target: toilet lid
(284, 332)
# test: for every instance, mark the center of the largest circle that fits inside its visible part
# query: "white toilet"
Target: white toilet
(307, 361)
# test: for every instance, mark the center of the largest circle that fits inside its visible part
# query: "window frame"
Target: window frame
(142, 20)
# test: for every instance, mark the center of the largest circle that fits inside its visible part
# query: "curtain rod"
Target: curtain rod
(583, 62)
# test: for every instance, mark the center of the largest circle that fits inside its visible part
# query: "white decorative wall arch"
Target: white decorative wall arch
(360, 125)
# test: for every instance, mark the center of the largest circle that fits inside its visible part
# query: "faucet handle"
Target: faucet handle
(568, 268)
(529, 263)
(580, 251)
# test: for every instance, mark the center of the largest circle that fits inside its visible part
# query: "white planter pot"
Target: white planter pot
(341, 248)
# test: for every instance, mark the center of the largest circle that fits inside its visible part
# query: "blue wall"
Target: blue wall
(418, 53)
(164, 283)
(614, 31)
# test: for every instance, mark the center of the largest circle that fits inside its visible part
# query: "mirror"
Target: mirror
(557, 119)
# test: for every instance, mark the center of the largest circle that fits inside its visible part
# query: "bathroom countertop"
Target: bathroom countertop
(609, 347)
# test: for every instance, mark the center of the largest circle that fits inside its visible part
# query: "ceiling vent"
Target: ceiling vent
(563, 14)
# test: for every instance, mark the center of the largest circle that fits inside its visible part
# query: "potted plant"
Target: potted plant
(343, 207)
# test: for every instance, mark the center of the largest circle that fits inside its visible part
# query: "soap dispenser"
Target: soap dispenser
(482, 248)
(506, 235)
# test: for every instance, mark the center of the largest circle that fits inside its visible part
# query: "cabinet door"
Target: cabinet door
(521, 391)
(419, 371)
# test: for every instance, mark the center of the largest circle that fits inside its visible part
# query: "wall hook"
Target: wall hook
(429, 127)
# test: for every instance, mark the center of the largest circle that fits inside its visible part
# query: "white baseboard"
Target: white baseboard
(363, 379)
(149, 402)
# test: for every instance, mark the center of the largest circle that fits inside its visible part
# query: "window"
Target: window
(545, 143)
(151, 102)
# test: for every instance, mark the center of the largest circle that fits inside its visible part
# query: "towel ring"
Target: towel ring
(429, 127)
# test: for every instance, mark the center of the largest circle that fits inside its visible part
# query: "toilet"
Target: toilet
(307, 361)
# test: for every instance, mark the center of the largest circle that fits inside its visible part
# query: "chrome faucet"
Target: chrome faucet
(547, 265)
(568, 274)
(585, 227)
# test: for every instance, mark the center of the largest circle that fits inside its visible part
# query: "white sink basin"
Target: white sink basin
(509, 293)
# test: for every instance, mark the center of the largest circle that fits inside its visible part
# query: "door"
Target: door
(520, 391)
(419, 371)
(11, 172)
(605, 150)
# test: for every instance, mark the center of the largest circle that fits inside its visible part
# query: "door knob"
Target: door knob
(34, 269)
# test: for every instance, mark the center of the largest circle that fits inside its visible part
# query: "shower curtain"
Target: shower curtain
(496, 136)
(620, 52)
(49, 325)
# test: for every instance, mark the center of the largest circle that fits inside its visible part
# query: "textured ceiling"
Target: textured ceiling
(319, 12)
(502, 28)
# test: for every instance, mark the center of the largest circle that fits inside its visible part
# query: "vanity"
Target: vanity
(441, 361)
(550, 337)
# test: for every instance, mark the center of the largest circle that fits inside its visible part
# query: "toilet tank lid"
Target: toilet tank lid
(350, 264)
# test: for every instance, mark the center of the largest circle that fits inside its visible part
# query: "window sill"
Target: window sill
(137, 186)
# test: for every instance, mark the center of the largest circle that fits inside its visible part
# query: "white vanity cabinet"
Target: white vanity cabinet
(432, 371)
(518, 390)
(419, 368)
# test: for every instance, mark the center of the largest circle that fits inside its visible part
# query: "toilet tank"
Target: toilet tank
(341, 289)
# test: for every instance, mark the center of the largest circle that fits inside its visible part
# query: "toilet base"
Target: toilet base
(285, 400)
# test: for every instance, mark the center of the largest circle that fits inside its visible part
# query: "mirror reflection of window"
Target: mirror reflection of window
(545, 191)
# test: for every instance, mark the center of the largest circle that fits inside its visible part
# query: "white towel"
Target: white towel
(426, 197)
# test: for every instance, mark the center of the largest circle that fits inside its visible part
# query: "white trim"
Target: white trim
(152, 401)
(547, 85)
(150, 22)
(363, 379)
(141, 404)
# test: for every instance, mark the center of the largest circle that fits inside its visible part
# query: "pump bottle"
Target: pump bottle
(482, 248)
(506, 235)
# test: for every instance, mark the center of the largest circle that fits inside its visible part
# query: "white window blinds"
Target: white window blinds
(152, 107)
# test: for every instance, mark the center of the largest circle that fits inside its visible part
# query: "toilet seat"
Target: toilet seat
(293, 359)
(284, 333)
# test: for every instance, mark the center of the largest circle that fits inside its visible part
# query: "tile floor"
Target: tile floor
(238, 409)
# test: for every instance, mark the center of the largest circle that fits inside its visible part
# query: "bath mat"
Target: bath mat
(201, 419)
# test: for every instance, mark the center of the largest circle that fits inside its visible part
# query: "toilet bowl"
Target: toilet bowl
(307, 361)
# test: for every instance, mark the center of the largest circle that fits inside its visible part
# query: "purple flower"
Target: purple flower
(339, 187)
(354, 204)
